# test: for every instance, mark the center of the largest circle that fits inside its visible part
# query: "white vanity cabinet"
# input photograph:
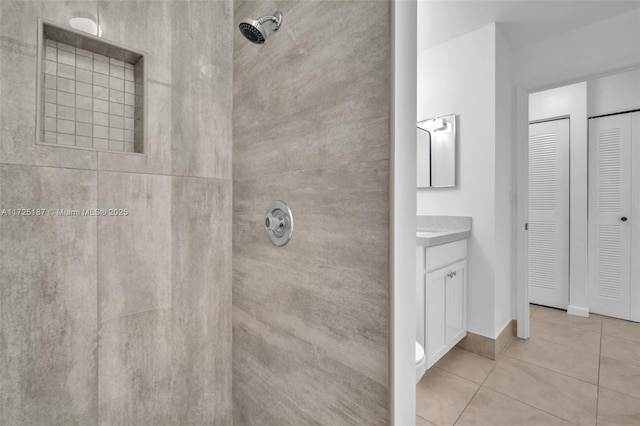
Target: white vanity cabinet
(442, 298)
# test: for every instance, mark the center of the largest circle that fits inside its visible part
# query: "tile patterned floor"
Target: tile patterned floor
(572, 371)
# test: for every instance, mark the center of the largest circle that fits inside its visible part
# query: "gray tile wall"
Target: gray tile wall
(90, 100)
(119, 320)
(311, 127)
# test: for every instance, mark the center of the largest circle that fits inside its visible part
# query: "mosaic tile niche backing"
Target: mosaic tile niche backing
(90, 100)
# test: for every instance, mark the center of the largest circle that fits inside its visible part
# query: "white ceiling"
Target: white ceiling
(523, 22)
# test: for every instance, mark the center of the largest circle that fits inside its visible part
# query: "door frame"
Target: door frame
(578, 283)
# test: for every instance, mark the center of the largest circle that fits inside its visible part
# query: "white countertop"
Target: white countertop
(435, 237)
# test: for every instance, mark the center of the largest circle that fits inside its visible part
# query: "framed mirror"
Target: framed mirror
(436, 152)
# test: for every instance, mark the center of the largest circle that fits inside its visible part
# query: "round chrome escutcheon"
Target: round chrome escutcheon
(278, 223)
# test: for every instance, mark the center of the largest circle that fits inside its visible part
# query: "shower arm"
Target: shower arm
(276, 20)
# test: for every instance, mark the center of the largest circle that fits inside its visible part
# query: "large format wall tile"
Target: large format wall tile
(47, 298)
(201, 301)
(328, 285)
(311, 127)
(312, 101)
(134, 371)
(134, 263)
(281, 380)
(201, 103)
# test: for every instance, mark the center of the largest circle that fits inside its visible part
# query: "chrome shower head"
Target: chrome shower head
(253, 30)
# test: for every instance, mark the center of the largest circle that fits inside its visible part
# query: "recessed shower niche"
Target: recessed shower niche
(90, 92)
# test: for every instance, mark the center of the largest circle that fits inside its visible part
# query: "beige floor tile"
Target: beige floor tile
(559, 358)
(621, 349)
(491, 408)
(620, 328)
(442, 396)
(467, 365)
(570, 399)
(576, 338)
(590, 323)
(532, 309)
(422, 422)
(620, 377)
(615, 409)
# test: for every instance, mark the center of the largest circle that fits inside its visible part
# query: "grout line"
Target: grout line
(553, 371)
(477, 390)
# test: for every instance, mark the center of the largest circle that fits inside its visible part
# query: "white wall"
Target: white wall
(403, 205)
(503, 184)
(614, 93)
(600, 47)
(460, 77)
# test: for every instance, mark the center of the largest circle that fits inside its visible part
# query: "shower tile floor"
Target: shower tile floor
(572, 370)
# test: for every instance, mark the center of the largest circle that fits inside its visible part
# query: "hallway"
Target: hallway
(572, 370)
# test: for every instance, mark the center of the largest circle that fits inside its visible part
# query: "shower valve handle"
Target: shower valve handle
(274, 222)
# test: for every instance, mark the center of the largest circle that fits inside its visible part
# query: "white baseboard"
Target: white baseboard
(578, 311)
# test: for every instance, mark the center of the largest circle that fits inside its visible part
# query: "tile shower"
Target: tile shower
(130, 320)
(90, 100)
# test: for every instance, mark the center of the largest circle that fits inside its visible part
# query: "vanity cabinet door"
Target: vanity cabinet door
(456, 302)
(436, 315)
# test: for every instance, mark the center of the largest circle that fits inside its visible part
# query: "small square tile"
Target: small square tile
(99, 143)
(50, 137)
(116, 134)
(50, 124)
(84, 102)
(84, 116)
(50, 43)
(129, 66)
(84, 129)
(84, 76)
(50, 110)
(100, 80)
(84, 89)
(100, 132)
(129, 147)
(50, 81)
(66, 85)
(100, 67)
(65, 57)
(83, 52)
(128, 75)
(129, 99)
(129, 111)
(129, 87)
(84, 63)
(113, 61)
(66, 47)
(116, 146)
(66, 99)
(66, 71)
(116, 71)
(116, 83)
(50, 67)
(116, 109)
(84, 141)
(128, 136)
(116, 121)
(100, 106)
(50, 95)
(66, 113)
(101, 93)
(128, 124)
(100, 118)
(64, 139)
(66, 126)
(100, 58)
(51, 53)
(116, 96)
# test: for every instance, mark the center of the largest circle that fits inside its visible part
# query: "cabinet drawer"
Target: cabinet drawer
(445, 254)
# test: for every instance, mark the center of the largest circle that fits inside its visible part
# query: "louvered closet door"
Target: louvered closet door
(609, 203)
(548, 263)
